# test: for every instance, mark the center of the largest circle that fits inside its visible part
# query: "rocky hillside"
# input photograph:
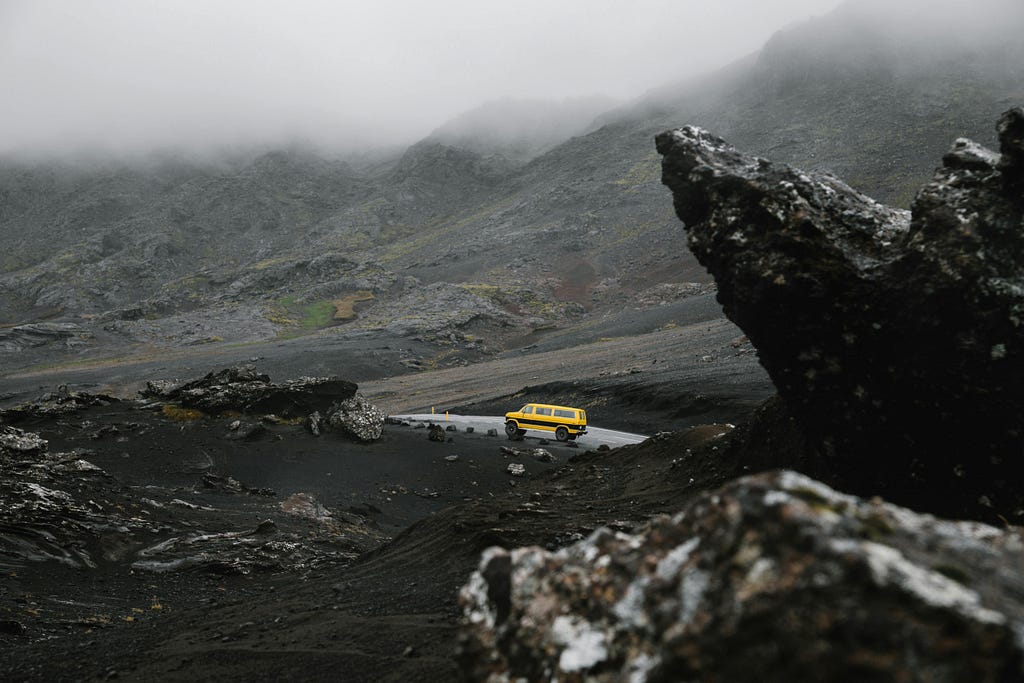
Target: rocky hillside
(872, 92)
(458, 242)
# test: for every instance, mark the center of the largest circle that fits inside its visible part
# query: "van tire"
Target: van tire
(512, 429)
(562, 434)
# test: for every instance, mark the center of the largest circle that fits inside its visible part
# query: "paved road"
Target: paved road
(594, 437)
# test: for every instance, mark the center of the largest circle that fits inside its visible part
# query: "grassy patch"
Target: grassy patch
(316, 315)
(182, 414)
(302, 317)
(345, 308)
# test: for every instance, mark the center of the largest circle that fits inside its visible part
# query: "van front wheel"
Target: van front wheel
(512, 429)
(562, 434)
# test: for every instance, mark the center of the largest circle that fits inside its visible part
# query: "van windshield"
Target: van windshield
(526, 410)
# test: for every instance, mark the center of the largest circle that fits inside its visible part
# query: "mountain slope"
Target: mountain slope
(459, 245)
(521, 129)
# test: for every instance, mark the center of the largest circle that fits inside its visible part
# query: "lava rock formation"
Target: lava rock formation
(895, 339)
(245, 390)
(774, 577)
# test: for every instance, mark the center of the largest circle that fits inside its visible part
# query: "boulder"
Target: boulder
(357, 417)
(436, 433)
(516, 469)
(19, 442)
(895, 338)
(769, 578)
(247, 431)
(245, 390)
(315, 423)
(305, 505)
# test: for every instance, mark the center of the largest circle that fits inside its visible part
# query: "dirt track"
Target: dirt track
(707, 358)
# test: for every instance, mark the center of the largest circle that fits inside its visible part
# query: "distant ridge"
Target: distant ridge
(518, 216)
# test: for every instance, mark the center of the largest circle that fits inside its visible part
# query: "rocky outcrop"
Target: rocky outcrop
(357, 417)
(770, 578)
(59, 507)
(321, 402)
(894, 338)
(245, 390)
(40, 334)
(64, 401)
(14, 440)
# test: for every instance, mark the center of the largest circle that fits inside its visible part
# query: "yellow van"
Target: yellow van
(567, 423)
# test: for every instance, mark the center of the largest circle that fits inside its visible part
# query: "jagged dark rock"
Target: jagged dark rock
(895, 339)
(793, 575)
(1011, 145)
(315, 423)
(59, 507)
(56, 403)
(14, 440)
(229, 484)
(247, 431)
(538, 454)
(358, 417)
(245, 390)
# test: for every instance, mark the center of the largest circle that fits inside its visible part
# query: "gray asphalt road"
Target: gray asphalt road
(594, 437)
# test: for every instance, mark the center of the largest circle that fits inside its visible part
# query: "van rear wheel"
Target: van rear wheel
(562, 434)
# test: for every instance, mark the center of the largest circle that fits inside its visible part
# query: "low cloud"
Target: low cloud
(133, 75)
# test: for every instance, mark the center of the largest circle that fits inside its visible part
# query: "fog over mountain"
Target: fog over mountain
(520, 129)
(133, 75)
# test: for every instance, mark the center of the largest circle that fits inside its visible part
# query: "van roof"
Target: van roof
(551, 405)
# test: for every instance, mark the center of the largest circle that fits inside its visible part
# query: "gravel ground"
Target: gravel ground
(391, 614)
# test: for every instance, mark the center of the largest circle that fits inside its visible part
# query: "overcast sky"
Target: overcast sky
(129, 75)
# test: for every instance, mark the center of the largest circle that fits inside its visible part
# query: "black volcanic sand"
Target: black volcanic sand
(341, 473)
(392, 615)
(391, 483)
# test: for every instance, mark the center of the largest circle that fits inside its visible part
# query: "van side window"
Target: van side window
(527, 410)
(571, 414)
(544, 411)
